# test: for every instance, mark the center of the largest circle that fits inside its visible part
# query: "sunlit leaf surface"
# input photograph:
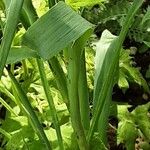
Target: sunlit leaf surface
(55, 30)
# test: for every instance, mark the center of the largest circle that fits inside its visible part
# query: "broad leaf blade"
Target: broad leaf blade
(55, 30)
(101, 50)
(102, 63)
(19, 53)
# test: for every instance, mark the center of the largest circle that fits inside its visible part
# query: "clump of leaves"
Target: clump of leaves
(133, 126)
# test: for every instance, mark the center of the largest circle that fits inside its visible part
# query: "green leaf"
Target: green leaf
(55, 30)
(147, 43)
(16, 123)
(68, 137)
(127, 133)
(29, 111)
(96, 143)
(100, 77)
(112, 64)
(135, 75)
(101, 50)
(148, 72)
(9, 31)
(82, 3)
(2, 101)
(146, 16)
(123, 83)
(129, 72)
(142, 119)
(19, 53)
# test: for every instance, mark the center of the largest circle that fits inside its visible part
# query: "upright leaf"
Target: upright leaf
(111, 63)
(100, 59)
(30, 112)
(101, 50)
(9, 31)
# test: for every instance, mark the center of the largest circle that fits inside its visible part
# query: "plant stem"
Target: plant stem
(7, 107)
(29, 111)
(25, 68)
(58, 71)
(32, 17)
(4, 90)
(50, 101)
(5, 133)
(60, 78)
(73, 80)
(9, 31)
(83, 94)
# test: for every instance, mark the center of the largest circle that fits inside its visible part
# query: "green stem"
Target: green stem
(28, 14)
(9, 31)
(25, 68)
(50, 101)
(58, 71)
(4, 90)
(32, 17)
(29, 111)
(73, 79)
(7, 107)
(5, 133)
(83, 94)
(28, 17)
(60, 78)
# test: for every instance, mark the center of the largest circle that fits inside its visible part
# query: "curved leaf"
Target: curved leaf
(55, 30)
(19, 53)
(9, 31)
(112, 64)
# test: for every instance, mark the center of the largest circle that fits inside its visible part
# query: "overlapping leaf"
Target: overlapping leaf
(54, 31)
(19, 53)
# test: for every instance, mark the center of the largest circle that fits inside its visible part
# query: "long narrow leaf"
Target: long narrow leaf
(29, 110)
(7, 107)
(51, 102)
(101, 50)
(113, 53)
(83, 94)
(60, 78)
(20, 53)
(74, 66)
(5, 133)
(55, 67)
(73, 79)
(28, 14)
(9, 31)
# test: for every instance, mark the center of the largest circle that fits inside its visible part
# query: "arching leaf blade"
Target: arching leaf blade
(55, 30)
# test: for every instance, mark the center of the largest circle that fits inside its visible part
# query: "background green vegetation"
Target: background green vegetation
(72, 82)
